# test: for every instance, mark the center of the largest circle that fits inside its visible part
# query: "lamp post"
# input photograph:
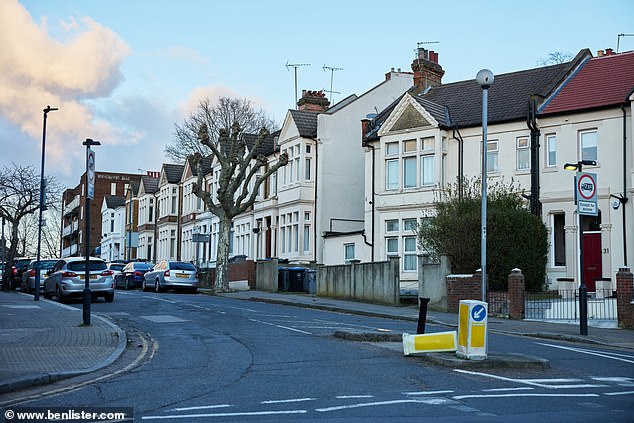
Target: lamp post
(484, 79)
(583, 290)
(36, 296)
(90, 188)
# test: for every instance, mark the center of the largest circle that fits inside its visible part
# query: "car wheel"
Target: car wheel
(47, 295)
(127, 284)
(58, 294)
(143, 286)
(157, 286)
(108, 297)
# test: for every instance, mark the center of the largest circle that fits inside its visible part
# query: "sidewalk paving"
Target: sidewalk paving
(43, 341)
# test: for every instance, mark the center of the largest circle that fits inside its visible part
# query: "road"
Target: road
(206, 358)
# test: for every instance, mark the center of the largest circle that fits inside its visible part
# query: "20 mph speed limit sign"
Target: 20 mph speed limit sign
(586, 193)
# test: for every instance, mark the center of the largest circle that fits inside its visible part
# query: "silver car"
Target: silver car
(67, 279)
(171, 274)
(28, 277)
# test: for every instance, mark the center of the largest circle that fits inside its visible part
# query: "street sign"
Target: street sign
(586, 193)
(200, 237)
(478, 313)
(90, 174)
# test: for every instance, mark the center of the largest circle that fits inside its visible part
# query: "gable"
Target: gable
(406, 116)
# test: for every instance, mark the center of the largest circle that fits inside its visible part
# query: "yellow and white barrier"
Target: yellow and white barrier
(429, 342)
(472, 330)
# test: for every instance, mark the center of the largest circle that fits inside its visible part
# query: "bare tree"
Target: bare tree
(19, 198)
(221, 129)
(555, 58)
(217, 117)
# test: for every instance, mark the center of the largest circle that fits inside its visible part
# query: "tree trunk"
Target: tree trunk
(222, 257)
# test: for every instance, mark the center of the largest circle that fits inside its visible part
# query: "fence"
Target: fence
(564, 305)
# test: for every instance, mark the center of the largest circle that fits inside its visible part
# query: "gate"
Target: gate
(563, 305)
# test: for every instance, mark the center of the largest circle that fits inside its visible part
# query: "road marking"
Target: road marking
(202, 407)
(526, 388)
(288, 400)
(460, 397)
(619, 393)
(281, 327)
(251, 413)
(366, 404)
(427, 393)
(612, 356)
(353, 396)
(534, 382)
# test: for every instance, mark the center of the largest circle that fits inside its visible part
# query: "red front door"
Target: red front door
(591, 259)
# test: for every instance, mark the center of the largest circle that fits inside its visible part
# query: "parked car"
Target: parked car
(28, 277)
(132, 274)
(116, 268)
(171, 274)
(66, 279)
(19, 267)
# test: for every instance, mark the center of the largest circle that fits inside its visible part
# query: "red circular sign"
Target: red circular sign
(586, 186)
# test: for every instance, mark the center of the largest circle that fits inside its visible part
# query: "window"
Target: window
(427, 170)
(559, 239)
(410, 224)
(523, 153)
(306, 238)
(307, 170)
(391, 148)
(588, 145)
(429, 144)
(409, 146)
(348, 252)
(409, 253)
(492, 156)
(409, 172)
(391, 225)
(551, 150)
(391, 174)
(391, 246)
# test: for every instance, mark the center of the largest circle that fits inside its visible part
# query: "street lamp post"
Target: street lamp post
(36, 296)
(484, 79)
(583, 290)
(90, 181)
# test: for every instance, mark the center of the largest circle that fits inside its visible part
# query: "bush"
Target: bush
(515, 237)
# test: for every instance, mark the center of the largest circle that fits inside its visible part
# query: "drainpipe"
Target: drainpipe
(624, 198)
(315, 200)
(531, 121)
(371, 244)
(456, 131)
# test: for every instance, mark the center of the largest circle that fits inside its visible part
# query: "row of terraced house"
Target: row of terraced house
(364, 171)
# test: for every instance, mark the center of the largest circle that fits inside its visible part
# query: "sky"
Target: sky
(124, 72)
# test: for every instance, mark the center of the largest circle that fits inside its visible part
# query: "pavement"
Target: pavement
(44, 341)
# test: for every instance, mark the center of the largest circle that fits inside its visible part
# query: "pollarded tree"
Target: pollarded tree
(223, 130)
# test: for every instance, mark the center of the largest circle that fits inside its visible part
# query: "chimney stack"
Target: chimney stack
(313, 100)
(427, 71)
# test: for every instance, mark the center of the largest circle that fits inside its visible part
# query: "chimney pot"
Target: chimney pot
(608, 51)
(600, 53)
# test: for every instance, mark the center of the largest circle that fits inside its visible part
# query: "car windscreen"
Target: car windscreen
(117, 266)
(179, 265)
(142, 266)
(46, 264)
(79, 266)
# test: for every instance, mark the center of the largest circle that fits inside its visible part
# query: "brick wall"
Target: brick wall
(240, 271)
(624, 298)
(516, 294)
(463, 287)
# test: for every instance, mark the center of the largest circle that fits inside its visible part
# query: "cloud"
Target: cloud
(37, 70)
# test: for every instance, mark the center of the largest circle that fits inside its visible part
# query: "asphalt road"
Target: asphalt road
(200, 358)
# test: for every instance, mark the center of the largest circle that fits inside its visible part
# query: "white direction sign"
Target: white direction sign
(586, 193)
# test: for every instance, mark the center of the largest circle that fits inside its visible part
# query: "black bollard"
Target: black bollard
(422, 315)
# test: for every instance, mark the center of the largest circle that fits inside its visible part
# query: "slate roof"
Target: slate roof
(459, 104)
(268, 145)
(206, 164)
(173, 172)
(150, 184)
(602, 81)
(306, 121)
(114, 201)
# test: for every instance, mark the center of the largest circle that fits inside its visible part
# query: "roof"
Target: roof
(206, 165)
(602, 82)
(306, 122)
(150, 184)
(268, 145)
(114, 201)
(173, 172)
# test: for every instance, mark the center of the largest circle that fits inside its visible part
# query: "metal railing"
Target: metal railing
(564, 305)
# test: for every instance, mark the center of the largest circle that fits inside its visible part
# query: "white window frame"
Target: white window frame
(349, 251)
(493, 151)
(409, 255)
(391, 175)
(585, 151)
(551, 149)
(523, 153)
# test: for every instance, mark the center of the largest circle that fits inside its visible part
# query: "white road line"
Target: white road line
(194, 416)
(426, 393)
(526, 388)
(460, 397)
(353, 396)
(611, 356)
(532, 383)
(288, 400)
(281, 327)
(202, 407)
(619, 393)
(365, 404)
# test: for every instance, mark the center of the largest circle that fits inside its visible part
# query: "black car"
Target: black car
(132, 274)
(20, 265)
